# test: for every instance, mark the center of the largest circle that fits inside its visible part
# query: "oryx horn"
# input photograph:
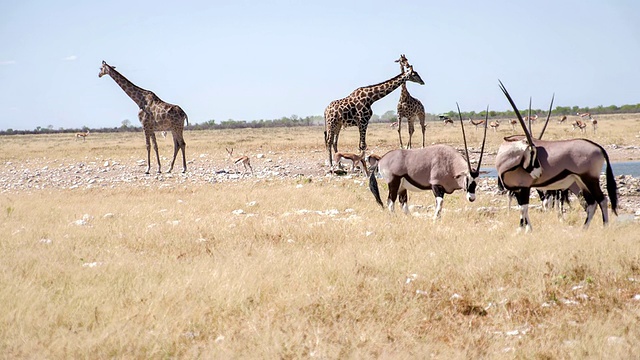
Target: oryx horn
(515, 108)
(548, 117)
(464, 137)
(529, 115)
(484, 137)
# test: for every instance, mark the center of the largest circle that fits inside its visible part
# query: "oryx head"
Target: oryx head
(530, 159)
(469, 181)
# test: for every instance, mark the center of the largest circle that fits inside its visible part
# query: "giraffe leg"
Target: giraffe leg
(148, 144)
(175, 151)
(423, 127)
(411, 130)
(183, 146)
(155, 148)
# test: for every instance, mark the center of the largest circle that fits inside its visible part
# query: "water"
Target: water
(619, 168)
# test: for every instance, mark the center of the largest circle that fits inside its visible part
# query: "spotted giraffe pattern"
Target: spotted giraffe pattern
(154, 115)
(409, 108)
(355, 109)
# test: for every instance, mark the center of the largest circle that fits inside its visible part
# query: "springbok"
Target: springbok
(594, 122)
(242, 159)
(562, 119)
(445, 119)
(354, 159)
(579, 124)
(372, 160)
(584, 115)
(439, 168)
(494, 125)
(82, 135)
(513, 124)
(476, 123)
(523, 163)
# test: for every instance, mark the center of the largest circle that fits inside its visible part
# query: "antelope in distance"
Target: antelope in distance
(513, 124)
(354, 159)
(439, 168)
(372, 160)
(579, 124)
(446, 120)
(494, 125)
(82, 135)
(476, 123)
(562, 119)
(594, 123)
(523, 163)
(242, 159)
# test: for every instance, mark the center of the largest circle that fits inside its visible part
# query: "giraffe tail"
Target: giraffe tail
(186, 118)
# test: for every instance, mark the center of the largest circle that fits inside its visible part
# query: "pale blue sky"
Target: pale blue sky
(247, 60)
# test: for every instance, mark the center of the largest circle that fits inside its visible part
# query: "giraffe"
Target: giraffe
(409, 108)
(154, 115)
(355, 109)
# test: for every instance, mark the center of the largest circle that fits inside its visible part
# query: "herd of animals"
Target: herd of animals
(523, 162)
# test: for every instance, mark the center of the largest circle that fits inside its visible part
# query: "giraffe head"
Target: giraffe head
(403, 62)
(412, 75)
(104, 70)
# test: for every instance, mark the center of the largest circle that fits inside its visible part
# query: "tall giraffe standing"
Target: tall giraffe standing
(355, 109)
(409, 108)
(154, 115)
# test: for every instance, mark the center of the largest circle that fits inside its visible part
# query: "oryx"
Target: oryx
(523, 163)
(440, 168)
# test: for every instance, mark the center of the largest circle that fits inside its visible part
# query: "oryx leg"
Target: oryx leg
(522, 196)
(591, 207)
(594, 196)
(394, 186)
(403, 197)
(438, 192)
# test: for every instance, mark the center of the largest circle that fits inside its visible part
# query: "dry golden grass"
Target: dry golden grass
(311, 268)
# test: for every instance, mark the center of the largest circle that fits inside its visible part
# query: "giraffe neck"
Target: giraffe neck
(378, 91)
(405, 93)
(135, 92)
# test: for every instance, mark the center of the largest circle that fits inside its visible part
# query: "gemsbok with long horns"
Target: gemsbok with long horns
(523, 163)
(439, 168)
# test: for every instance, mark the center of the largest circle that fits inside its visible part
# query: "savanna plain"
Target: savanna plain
(99, 260)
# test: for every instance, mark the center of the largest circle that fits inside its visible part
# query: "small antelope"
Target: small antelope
(353, 158)
(584, 115)
(372, 160)
(562, 119)
(82, 135)
(476, 123)
(393, 125)
(594, 122)
(439, 168)
(494, 125)
(242, 159)
(523, 163)
(446, 120)
(579, 124)
(513, 124)
(531, 118)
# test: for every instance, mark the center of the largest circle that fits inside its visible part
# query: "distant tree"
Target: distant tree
(126, 123)
(389, 116)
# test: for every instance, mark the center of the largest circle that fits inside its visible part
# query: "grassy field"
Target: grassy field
(300, 266)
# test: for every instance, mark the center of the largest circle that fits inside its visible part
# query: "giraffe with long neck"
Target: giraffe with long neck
(154, 115)
(409, 108)
(355, 109)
